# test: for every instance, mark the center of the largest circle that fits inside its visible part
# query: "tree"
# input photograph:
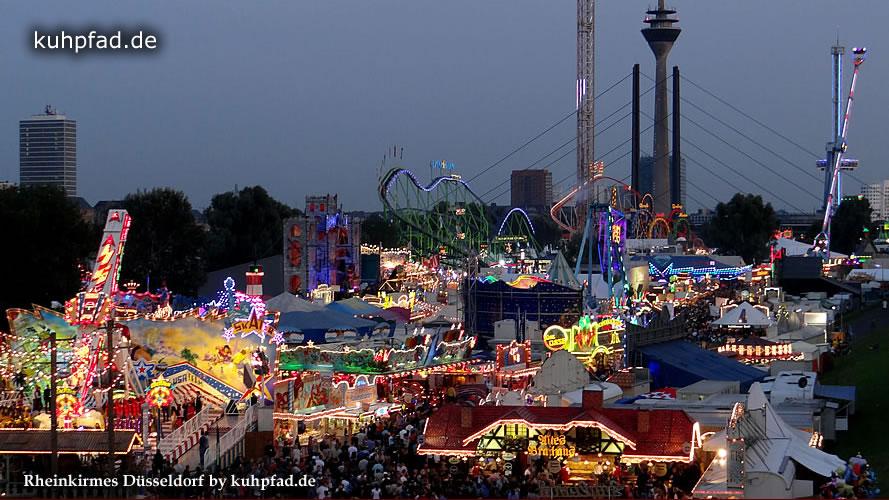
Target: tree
(244, 227)
(847, 226)
(165, 244)
(572, 249)
(546, 231)
(378, 230)
(743, 227)
(47, 247)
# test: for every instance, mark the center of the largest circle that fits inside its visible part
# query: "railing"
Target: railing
(231, 438)
(192, 425)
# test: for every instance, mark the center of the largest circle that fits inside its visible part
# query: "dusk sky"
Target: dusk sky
(304, 97)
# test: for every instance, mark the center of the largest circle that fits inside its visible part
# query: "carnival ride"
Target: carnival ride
(642, 221)
(446, 218)
(80, 336)
(515, 236)
(821, 245)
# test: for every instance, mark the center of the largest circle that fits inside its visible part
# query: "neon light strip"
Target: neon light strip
(559, 427)
(507, 218)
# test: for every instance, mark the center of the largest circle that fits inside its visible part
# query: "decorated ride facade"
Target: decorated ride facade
(330, 389)
(599, 341)
(223, 348)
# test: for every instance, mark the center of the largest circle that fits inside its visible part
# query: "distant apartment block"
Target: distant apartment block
(531, 188)
(48, 151)
(878, 196)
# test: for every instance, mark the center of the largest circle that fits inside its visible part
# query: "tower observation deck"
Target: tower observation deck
(660, 35)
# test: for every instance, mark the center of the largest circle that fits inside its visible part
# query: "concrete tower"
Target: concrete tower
(660, 36)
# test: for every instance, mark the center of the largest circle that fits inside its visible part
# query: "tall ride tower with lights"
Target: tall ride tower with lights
(586, 72)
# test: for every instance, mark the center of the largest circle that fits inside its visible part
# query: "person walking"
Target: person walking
(204, 446)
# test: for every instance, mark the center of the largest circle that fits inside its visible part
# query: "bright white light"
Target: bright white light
(721, 453)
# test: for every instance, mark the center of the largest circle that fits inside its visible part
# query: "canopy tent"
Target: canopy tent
(315, 324)
(287, 302)
(879, 274)
(776, 442)
(354, 307)
(561, 373)
(743, 316)
(599, 284)
(795, 248)
(397, 314)
(561, 273)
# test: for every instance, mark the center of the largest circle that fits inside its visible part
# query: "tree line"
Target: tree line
(50, 244)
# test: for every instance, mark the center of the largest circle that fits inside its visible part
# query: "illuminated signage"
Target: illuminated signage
(250, 326)
(555, 339)
(583, 337)
(160, 393)
(441, 164)
(551, 446)
(615, 233)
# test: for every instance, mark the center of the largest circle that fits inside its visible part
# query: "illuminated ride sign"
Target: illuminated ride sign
(160, 393)
(311, 357)
(583, 337)
(91, 307)
(514, 354)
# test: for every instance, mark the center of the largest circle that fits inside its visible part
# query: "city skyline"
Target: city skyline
(291, 105)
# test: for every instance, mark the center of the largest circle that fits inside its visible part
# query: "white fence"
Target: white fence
(178, 436)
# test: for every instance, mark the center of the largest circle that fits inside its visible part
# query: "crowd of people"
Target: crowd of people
(179, 413)
(15, 417)
(381, 461)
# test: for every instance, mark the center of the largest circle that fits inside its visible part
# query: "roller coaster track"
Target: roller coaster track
(556, 209)
(445, 214)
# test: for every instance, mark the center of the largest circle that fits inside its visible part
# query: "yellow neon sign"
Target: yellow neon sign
(583, 336)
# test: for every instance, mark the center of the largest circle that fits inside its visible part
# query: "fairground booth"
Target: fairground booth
(333, 389)
(580, 443)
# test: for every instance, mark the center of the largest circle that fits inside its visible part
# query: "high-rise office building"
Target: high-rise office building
(878, 196)
(48, 151)
(646, 179)
(531, 188)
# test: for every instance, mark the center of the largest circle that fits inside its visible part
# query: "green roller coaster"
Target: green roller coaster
(448, 219)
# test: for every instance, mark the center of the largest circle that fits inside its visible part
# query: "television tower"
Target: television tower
(660, 35)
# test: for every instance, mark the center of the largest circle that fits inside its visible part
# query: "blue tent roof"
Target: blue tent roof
(844, 392)
(353, 307)
(679, 363)
(316, 323)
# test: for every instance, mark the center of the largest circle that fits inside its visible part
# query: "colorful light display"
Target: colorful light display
(583, 337)
(161, 392)
(67, 404)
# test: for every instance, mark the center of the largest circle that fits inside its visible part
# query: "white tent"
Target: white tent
(610, 393)
(560, 272)
(773, 450)
(879, 274)
(287, 302)
(743, 316)
(561, 373)
(798, 248)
